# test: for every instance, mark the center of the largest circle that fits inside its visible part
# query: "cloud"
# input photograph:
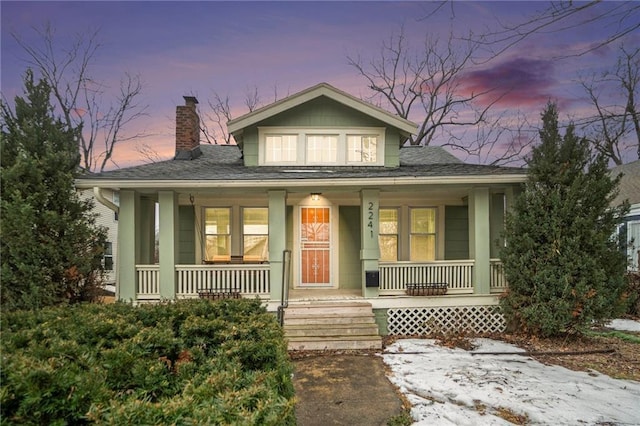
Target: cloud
(519, 82)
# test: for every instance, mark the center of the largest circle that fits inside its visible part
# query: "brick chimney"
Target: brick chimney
(187, 130)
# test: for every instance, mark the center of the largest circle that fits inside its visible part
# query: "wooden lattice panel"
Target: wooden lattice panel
(446, 319)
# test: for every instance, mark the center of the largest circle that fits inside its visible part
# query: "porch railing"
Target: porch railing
(249, 279)
(456, 273)
(498, 282)
(148, 282)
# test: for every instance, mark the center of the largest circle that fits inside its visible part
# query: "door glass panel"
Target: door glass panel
(315, 246)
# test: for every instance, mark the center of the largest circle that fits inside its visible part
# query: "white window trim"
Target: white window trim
(342, 145)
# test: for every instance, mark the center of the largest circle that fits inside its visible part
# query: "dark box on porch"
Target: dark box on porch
(372, 278)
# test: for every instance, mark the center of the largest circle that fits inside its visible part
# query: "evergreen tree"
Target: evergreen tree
(51, 249)
(564, 268)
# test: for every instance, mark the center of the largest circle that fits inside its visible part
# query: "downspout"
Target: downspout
(97, 192)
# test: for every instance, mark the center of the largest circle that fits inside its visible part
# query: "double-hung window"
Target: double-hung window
(281, 148)
(322, 149)
(388, 235)
(217, 228)
(108, 256)
(422, 234)
(362, 148)
(255, 233)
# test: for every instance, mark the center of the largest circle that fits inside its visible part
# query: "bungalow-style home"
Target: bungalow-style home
(629, 189)
(320, 200)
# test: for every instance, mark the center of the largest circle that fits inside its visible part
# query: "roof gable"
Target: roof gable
(237, 125)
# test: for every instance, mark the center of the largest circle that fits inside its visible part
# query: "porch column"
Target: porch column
(480, 239)
(277, 240)
(128, 245)
(168, 243)
(369, 248)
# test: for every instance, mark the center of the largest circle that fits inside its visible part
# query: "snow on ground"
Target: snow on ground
(454, 387)
(624, 325)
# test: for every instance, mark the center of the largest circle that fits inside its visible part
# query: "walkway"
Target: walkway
(343, 389)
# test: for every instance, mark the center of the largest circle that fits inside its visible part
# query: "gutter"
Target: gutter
(336, 182)
(97, 192)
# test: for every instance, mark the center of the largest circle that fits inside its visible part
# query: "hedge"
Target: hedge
(185, 363)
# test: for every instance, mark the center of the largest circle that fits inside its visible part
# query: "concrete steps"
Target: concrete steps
(331, 326)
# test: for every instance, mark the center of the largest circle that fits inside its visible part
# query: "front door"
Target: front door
(315, 246)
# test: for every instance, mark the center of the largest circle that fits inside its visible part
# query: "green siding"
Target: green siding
(349, 246)
(497, 224)
(392, 148)
(186, 235)
(456, 232)
(381, 321)
(321, 111)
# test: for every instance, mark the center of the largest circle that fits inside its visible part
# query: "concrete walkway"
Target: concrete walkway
(343, 389)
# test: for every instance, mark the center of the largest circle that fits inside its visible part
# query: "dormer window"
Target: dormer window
(322, 149)
(362, 148)
(285, 146)
(280, 149)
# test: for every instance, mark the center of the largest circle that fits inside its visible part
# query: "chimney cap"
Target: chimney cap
(189, 100)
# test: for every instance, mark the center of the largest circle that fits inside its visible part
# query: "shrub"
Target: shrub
(192, 362)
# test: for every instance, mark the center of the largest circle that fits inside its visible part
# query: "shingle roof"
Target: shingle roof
(224, 162)
(629, 184)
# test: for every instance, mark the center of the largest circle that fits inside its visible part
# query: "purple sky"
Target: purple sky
(195, 48)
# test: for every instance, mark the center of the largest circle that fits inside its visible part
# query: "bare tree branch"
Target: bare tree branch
(81, 99)
(615, 126)
(220, 112)
(623, 19)
(429, 83)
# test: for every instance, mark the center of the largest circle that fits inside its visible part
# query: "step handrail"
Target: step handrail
(284, 293)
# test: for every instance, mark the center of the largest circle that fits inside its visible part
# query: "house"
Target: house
(319, 200)
(629, 189)
(105, 206)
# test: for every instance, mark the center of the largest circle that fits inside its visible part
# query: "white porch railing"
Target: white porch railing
(249, 279)
(498, 282)
(148, 283)
(456, 273)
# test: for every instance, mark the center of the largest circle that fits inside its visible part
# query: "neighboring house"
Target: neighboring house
(326, 177)
(630, 190)
(105, 206)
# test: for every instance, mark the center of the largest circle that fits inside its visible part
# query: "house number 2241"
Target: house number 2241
(370, 224)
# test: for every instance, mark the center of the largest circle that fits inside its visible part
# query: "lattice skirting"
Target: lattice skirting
(446, 319)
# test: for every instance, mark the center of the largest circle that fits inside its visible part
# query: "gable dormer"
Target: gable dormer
(320, 126)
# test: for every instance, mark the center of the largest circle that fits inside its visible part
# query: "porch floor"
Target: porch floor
(305, 294)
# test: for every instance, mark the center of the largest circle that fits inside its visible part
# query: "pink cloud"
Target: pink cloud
(518, 82)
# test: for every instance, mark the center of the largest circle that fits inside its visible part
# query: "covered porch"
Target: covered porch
(163, 256)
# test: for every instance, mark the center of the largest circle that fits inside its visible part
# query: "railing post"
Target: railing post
(284, 291)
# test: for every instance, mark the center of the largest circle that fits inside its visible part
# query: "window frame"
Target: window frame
(434, 234)
(243, 236)
(362, 150)
(387, 234)
(107, 257)
(282, 150)
(217, 257)
(342, 135)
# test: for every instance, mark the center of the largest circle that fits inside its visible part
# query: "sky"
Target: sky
(279, 48)
(454, 387)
